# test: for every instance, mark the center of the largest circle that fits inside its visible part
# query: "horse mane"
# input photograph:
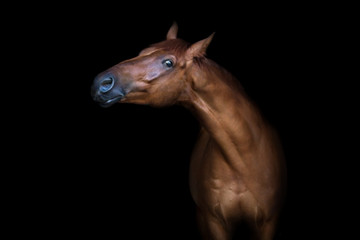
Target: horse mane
(213, 68)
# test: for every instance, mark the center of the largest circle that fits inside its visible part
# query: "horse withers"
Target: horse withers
(237, 169)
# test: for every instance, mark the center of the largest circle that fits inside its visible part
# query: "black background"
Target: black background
(83, 170)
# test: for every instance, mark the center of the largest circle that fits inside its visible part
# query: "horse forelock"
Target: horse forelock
(177, 47)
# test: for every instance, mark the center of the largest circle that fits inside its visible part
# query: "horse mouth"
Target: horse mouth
(111, 101)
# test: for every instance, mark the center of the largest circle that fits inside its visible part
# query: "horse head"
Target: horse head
(158, 76)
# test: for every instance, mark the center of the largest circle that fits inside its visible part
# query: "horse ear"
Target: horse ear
(198, 49)
(172, 33)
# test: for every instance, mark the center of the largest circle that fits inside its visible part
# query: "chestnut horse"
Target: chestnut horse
(237, 170)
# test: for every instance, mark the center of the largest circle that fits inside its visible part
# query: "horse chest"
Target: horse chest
(211, 178)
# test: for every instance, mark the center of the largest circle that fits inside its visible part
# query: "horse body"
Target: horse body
(237, 171)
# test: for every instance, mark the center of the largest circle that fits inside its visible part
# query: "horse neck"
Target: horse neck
(218, 101)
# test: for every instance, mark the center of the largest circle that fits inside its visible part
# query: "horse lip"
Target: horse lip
(111, 101)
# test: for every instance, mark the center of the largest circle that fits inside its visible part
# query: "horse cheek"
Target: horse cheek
(166, 93)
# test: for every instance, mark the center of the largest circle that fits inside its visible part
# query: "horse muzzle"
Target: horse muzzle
(106, 91)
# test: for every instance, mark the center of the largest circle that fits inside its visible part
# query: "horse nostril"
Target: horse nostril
(106, 84)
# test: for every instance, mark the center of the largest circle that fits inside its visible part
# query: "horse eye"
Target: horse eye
(168, 63)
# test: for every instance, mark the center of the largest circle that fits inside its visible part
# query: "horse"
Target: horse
(237, 168)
